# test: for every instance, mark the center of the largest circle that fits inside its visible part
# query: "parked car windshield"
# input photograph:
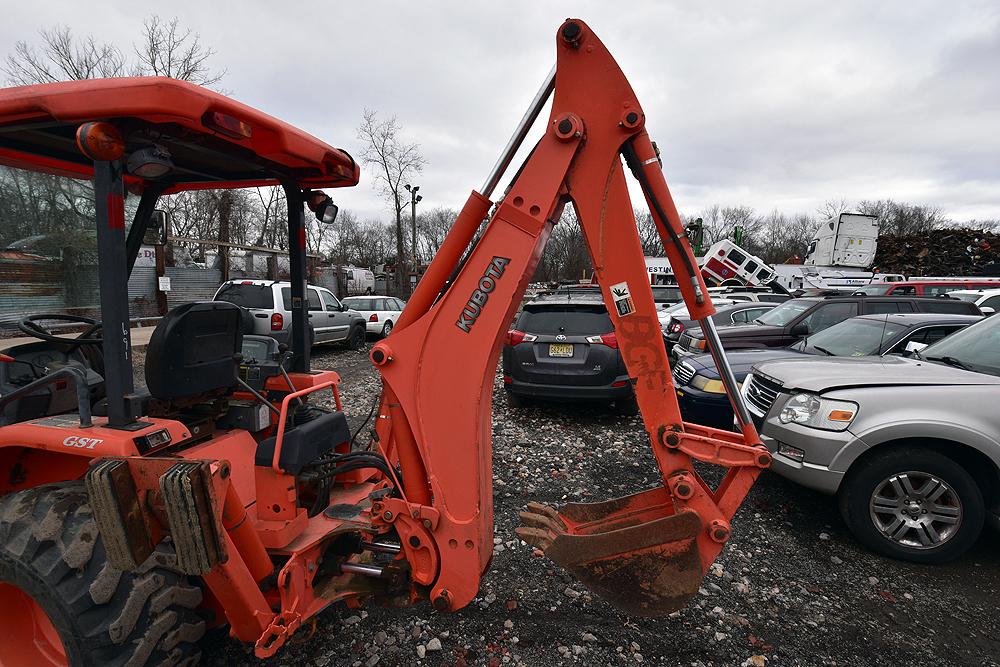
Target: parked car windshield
(666, 294)
(976, 348)
(675, 309)
(973, 297)
(565, 320)
(363, 304)
(856, 337)
(785, 313)
(247, 296)
(874, 290)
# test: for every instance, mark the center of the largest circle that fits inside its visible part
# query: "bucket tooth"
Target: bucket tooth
(635, 551)
(118, 513)
(192, 516)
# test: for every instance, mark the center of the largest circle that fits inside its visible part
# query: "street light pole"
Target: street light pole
(414, 198)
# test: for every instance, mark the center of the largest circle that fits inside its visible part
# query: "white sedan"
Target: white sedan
(381, 312)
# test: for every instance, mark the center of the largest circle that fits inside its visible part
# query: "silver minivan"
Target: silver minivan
(269, 302)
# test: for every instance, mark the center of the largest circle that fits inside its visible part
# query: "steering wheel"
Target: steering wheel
(30, 325)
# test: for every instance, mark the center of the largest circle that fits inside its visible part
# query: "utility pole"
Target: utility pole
(414, 198)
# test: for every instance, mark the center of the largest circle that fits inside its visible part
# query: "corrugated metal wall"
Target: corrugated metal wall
(192, 284)
(142, 292)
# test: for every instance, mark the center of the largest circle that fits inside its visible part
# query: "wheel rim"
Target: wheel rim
(387, 329)
(30, 637)
(916, 510)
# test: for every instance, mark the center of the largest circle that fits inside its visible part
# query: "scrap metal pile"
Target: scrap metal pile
(940, 252)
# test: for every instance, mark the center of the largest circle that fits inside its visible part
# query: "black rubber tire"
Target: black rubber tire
(50, 548)
(627, 406)
(356, 339)
(387, 328)
(857, 488)
(514, 401)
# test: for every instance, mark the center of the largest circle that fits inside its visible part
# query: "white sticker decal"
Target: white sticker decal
(623, 299)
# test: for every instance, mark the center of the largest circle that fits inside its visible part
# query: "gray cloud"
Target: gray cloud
(779, 105)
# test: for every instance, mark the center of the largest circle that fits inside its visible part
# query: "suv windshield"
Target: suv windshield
(247, 296)
(856, 337)
(572, 320)
(976, 348)
(785, 313)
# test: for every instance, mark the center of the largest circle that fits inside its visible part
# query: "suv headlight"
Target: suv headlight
(823, 413)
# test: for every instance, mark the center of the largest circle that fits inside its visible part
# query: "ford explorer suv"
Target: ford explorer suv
(269, 304)
(563, 347)
(910, 446)
(794, 320)
(699, 387)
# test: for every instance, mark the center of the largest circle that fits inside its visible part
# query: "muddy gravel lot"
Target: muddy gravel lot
(791, 588)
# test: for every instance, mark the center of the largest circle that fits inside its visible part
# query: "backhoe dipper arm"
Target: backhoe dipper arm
(438, 367)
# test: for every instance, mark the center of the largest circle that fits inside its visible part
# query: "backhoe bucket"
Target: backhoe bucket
(635, 551)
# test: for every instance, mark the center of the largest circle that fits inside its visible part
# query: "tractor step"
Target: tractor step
(634, 551)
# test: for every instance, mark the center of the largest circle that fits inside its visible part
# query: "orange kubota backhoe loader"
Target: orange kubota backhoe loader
(223, 493)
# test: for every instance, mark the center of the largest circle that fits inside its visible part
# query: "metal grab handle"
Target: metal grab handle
(82, 392)
(283, 417)
(725, 372)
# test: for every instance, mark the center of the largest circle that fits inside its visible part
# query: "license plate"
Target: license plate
(560, 350)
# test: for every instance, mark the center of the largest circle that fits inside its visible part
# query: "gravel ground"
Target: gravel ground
(791, 587)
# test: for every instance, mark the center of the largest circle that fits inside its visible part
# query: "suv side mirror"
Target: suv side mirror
(913, 346)
(800, 329)
(987, 310)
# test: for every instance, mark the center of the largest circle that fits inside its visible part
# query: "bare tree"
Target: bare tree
(903, 219)
(432, 227)
(62, 56)
(169, 50)
(832, 208)
(166, 49)
(394, 162)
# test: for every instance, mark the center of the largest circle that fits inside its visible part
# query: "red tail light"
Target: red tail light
(277, 322)
(608, 339)
(373, 317)
(676, 327)
(508, 379)
(515, 337)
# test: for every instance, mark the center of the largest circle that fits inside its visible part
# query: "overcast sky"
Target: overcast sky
(777, 104)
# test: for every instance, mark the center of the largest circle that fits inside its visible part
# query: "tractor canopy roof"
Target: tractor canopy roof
(211, 140)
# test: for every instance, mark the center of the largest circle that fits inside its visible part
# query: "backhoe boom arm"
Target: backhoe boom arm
(438, 367)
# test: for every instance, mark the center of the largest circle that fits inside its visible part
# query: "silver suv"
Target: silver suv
(911, 446)
(269, 304)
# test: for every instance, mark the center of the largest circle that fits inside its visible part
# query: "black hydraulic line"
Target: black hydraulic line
(371, 411)
(632, 160)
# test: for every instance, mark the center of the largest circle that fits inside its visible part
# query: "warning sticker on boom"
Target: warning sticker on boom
(623, 299)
